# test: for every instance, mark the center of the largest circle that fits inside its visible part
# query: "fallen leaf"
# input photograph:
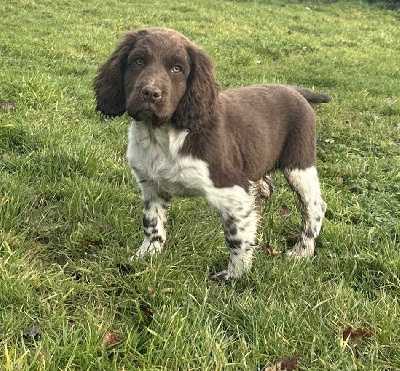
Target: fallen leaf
(356, 334)
(33, 332)
(145, 309)
(284, 364)
(110, 339)
(95, 243)
(288, 363)
(269, 250)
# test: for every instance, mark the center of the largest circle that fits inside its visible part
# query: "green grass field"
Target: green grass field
(70, 211)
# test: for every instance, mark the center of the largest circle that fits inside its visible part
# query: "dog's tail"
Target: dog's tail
(313, 97)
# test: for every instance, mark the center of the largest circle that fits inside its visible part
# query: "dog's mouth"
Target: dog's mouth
(145, 114)
(148, 116)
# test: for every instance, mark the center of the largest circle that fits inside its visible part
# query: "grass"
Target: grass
(70, 212)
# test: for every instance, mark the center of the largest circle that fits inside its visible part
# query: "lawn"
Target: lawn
(70, 211)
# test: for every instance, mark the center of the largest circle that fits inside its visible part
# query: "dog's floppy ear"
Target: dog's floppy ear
(197, 107)
(109, 83)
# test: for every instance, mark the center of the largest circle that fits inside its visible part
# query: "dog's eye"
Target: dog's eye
(176, 69)
(139, 62)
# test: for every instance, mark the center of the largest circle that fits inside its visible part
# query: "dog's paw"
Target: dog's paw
(147, 248)
(221, 277)
(300, 251)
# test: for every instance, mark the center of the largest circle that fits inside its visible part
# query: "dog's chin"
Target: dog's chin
(149, 117)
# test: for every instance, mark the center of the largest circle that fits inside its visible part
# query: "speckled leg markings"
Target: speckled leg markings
(155, 215)
(240, 229)
(312, 208)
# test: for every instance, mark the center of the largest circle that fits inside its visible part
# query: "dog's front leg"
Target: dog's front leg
(155, 214)
(240, 222)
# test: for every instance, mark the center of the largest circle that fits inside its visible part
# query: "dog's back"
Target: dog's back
(273, 126)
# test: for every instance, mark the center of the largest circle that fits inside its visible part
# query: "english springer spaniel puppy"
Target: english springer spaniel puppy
(188, 138)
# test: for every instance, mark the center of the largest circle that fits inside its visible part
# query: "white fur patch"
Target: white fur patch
(154, 156)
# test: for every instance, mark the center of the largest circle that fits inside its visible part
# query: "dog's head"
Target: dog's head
(157, 75)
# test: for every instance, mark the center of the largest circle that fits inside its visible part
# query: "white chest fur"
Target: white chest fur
(154, 157)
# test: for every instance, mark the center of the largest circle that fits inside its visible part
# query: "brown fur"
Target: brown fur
(242, 134)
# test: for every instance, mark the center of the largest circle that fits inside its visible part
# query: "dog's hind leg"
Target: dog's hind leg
(312, 208)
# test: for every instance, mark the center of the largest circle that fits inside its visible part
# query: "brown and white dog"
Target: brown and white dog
(188, 138)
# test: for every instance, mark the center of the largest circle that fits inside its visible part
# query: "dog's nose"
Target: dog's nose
(151, 93)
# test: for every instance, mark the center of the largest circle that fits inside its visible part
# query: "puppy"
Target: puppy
(188, 138)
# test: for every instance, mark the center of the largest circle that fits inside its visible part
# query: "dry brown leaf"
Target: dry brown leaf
(110, 339)
(288, 363)
(95, 243)
(145, 309)
(284, 364)
(269, 250)
(356, 334)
